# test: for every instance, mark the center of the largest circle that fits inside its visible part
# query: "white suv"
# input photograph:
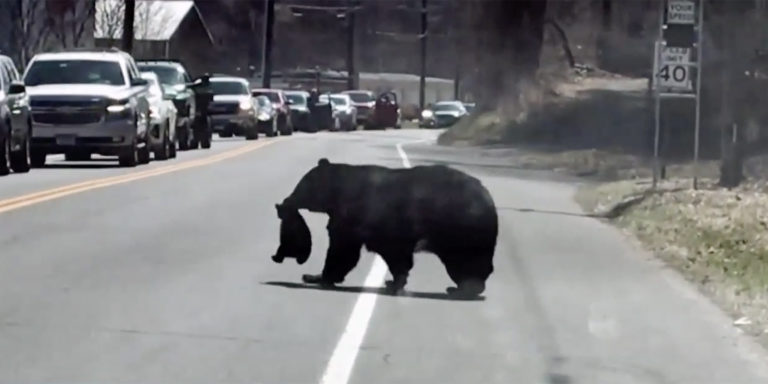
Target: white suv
(88, 102)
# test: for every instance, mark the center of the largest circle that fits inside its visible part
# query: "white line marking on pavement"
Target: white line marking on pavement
(406, 162)
(339, 367)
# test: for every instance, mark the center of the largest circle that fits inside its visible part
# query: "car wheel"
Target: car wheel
(5, 156)
(226, 133)
(164, 152)
(252, 132)
(144, 154)
(131, 156)
(20, 161)
(272, 129)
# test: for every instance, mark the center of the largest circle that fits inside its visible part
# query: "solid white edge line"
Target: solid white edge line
(339, 368)
(406, 162)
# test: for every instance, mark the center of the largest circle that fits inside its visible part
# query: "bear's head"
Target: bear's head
(295, 237)
(315, 190)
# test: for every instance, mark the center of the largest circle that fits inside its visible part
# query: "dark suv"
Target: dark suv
(177, 84)
(15, 124)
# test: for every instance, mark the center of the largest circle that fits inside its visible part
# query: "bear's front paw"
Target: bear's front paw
(312, 279)
(394, 288)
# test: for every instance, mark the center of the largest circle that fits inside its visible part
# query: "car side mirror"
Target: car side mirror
(17, 88)
(139, 82)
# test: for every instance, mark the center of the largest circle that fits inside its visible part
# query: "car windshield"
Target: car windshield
(168, 75)
(296, 99)
(74, 72)
(360, 97)
(154, 86)
(272, 96)
(229, 88)
(446, 107)
(263, 101)
(339, 100)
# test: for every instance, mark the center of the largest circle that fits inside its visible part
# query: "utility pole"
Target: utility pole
(350, 15)
(266, 56)
(423, 78)
(128, 17)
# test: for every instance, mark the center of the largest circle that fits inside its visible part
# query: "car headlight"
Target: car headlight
(117, 108)
(263, 116)
(245, 104)
(21, 103)
(427, 114)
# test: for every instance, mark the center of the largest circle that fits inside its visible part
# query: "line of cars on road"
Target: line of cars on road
(103, 102)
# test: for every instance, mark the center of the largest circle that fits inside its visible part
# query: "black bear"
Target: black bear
(295, 237)
(392, 211)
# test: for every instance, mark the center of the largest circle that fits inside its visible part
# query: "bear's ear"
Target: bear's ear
(280, 209)
(323, 162)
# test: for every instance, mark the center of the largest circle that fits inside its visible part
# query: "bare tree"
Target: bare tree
(151, 19)
(69, 19)
(29, 30)
(109, 18)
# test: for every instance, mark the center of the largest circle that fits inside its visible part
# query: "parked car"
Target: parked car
(299, 107)
(442, 114)
(386, 112)
(176, 83)
(232, 110)
(15, 121)
(162, 119)
(364, 102)
(88, 102)
(470, 107)
(266, 116)
(282, 106)
(344, 113)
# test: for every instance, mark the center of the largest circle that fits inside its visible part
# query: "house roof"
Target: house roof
(154, 20)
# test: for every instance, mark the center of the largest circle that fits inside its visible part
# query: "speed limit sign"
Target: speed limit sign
(674, 69)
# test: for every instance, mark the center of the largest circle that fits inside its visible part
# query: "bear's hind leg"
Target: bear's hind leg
(469, 270)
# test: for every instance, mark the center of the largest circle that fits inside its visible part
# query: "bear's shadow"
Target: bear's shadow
(375, 290)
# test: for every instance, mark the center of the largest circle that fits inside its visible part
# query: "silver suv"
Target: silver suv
(14, 120)
(88, 102)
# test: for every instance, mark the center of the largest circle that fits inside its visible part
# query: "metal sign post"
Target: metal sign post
(672, 68)
(697, 132)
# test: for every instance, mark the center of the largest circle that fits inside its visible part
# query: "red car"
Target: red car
(280, 103)
(386, 112)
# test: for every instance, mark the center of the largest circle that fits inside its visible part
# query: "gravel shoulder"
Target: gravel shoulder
(716, 238)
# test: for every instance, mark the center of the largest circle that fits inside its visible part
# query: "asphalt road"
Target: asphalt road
(161, 274)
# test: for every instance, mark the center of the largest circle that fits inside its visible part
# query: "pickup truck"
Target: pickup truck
(88, 102)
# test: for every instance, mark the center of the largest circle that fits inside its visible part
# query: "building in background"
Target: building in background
(162, 29)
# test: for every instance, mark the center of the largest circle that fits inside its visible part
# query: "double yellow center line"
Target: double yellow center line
(55, 193)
